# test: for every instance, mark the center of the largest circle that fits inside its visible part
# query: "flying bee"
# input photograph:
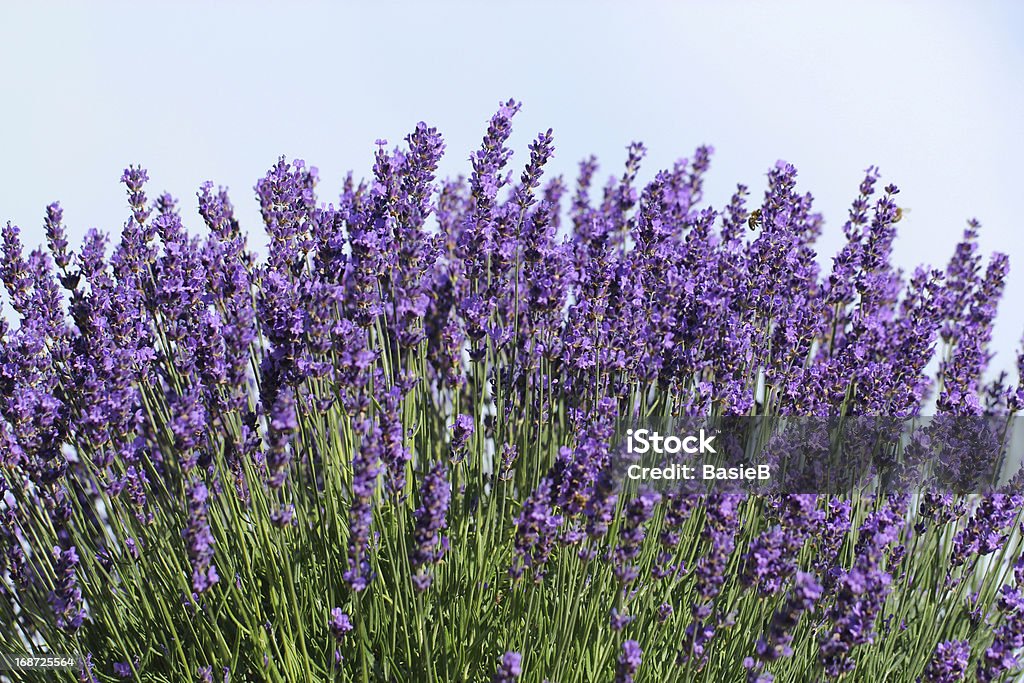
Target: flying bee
(899, 214)
(754, 222)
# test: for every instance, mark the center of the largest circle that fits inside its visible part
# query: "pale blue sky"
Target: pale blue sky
(929, 91)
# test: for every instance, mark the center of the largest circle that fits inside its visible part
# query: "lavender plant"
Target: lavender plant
(386, 450)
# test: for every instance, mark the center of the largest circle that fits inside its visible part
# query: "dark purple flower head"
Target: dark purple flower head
(218, 212)
(430, 520)
(861, 590)
(619, 620)
(366, 468)
(540, 151)
(283, 517)
(134, 178)
(462, 429)
(188, 425)
(632, 534)
(199, 539)
(802, 597)
(510, 668)
(665, 612)
(57, 239)
(720, 531)
(948, 663)
(600, 506)
(767, 562)
(395, 454)
(492, 156)
(536, 529)
(86, 670)
(287, 200)
(339, 624)
(14, 270)
(66, 598)
(283, 423)
(629, 662)
(985, 532)
(1004, 653)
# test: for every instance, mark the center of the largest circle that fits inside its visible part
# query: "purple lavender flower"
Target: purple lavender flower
(86, 669)
(57, 241)
(286, 202)
(339, 624)
(283, 423)
(430, 519)
(417, 252)
(1002, 655)
(771, 558)
(804, 593)
(509, 454)
(536, 528)
(948, 663)
(283, 517)
(832, 532)
(394, 455)
(985, 531)
(600, 505)
(14, 271)
(66, 598)
(619, 620)
(629, 662)
(861, 590)
(462, 429)
(720, 532)
(365, 472)
(631, 535)
(134, 177)
(188, 426)
(665, 612)
(510, 668)
(576, 469)
(721, 526)
(199, 539)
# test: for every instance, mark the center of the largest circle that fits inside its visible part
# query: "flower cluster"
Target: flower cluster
(407, 416)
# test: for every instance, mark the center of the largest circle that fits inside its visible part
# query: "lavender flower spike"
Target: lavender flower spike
(431, 519)
(509, 669)
(629, 662)
(66, 598)
(199, 539)
(948, 663)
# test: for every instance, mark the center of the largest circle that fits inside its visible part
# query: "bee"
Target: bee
(899, 214)
(754, 222)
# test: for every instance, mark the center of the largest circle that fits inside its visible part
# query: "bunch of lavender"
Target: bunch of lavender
(387, 449)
